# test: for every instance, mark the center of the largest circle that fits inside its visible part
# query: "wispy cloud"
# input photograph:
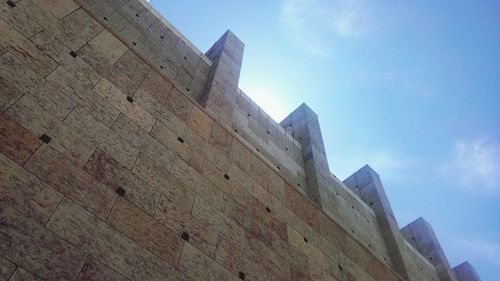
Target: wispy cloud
(475, 166)
(314, 23)
(480, 249)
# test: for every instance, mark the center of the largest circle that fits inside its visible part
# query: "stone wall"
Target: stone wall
(127, 154)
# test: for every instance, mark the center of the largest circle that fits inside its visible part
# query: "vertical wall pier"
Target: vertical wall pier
(466, 272)
(421, 234)
(303, 124)
(367, 183)
(220, 91)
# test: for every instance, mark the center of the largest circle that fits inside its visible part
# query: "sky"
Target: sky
(411, 88)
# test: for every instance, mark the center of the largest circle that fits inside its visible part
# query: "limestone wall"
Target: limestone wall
(127, 154)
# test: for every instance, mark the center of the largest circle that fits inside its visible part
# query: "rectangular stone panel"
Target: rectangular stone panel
(29, 245)
(73, 182)
(94, 270)
(151, 268)
(98, 134)
(26, 193)
(76, 29)
(200, 123)
(6, 269)
(19, 20)
(24, 50)
(30, 83)
(22, 275)
(16, 142)
(146, 231)
(128, 72)
(93, 236)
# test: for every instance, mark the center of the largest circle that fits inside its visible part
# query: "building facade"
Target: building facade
(128, 154)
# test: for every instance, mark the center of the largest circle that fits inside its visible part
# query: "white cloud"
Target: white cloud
(313, 24)
(475, 166)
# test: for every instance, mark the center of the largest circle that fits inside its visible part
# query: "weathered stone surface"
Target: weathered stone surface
(128, 72)
(16, 142)
(200, 267)
(29, 245)
(151, 268)
(95, 237)
(10, 94)
(93, 270)
(30, 83)
(71, 181)
(108, 171)
(26, 193)
(24, 50)
(6, 269)
(96, 133)
(119, 100)
(61, 54)
(22, 275)
(154, 173)
(19, 20)
(146, 231)
(77, 28)
(200, 123)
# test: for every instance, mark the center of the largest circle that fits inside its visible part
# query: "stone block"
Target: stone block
(229, 255)
(146, 231)
(10, 94)
(96, 133)
(110, 172)
(24, 50)
(71, 181)
(119, 100)
(19, 20)
(30, 83)
(128, 72)
(200, 123)
(6, 269)
(93, 236)
(62, 55)
(240, 155)
(220, 142)
(84, 95)
(29, 245)
(200, 267)
(151, 268)
(93, 270)
(16, 142)
(77, 28)
(26, 193)
(22, 275)
(156, 174)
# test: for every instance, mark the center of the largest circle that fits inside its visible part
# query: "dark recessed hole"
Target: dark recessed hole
(268, 132)
(185, 236)
(235, 130)
(121, 191)
(352, 207)
(162, 37)
(181, 140)
(278, 167)
(286, 148)
(352, 231)
(338, 194)
(185, 58)
(11, 4)
(45, 138)
(356, 186)
(371, 203)
(300, 138)
(241, 275)
(73, 54)
(305, 240)
(430, 258)
(187, 89)
(161, 67)
(248, 114)
(226, 176)
(385, 259)
(413, 238)
(137, 15)
(104, 18)
(133, 43)
(370, 245)
(268, 210)
(130, 99)
(367, 221)
(258, 149)
(298, 184)
(340, 267)
(421, 269)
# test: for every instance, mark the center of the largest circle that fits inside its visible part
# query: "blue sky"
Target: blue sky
(410, 87)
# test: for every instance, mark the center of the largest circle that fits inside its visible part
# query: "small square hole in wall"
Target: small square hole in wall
(161, 37)
(11, 4)
(187, 89)
(45, 138)
(340, 267)
(248, 114)
(235, 130)
(305, 240)
(137, 15)
(268, 209)
(185, 236)
(241, 275)
(130, 99)
(133, 43)
(226, 176)
(268, 132)
(181, 140)
(161, 67)
(104, 18)
(286, 148)
(298, 184)
(73, 54)
(121, 191)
